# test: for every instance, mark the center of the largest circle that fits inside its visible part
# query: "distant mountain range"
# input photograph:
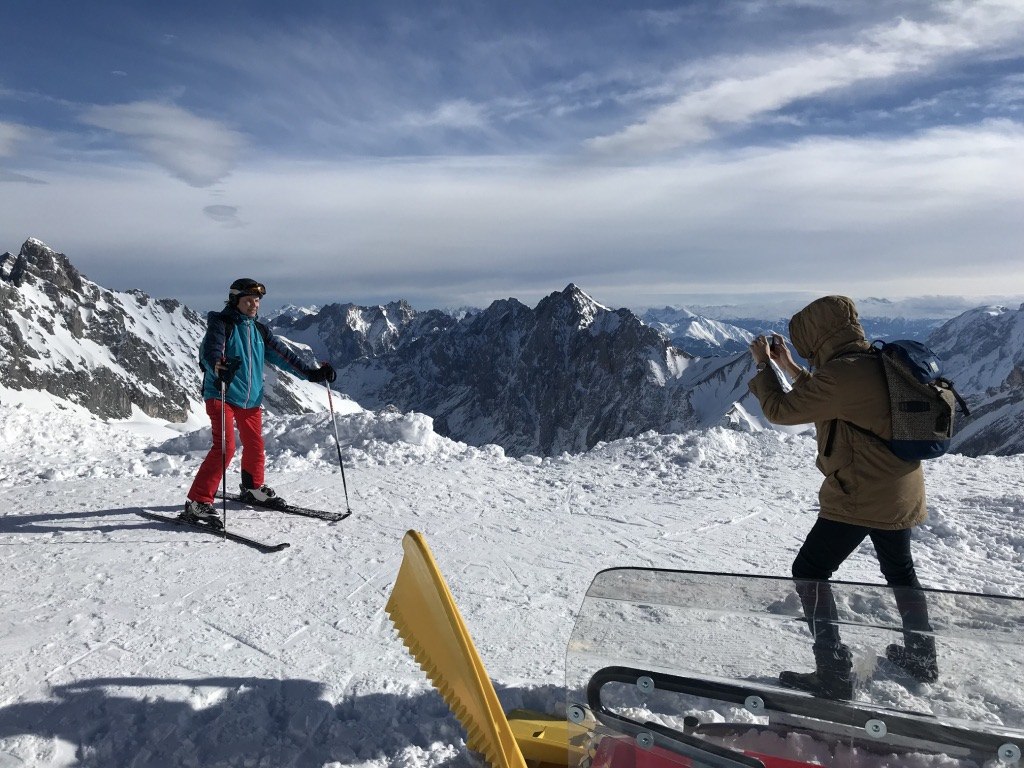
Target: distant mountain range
(699, 335)
(561, 376)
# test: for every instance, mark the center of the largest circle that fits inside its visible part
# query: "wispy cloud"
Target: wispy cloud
(18, 178)
(731, 92)
(10, 135)
(197, 150)
(459, 114)
(427, 86)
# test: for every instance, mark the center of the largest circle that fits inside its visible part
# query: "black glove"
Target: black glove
(228, 369)
(324, 373)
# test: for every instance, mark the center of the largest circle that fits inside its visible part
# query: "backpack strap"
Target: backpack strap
(959, 400)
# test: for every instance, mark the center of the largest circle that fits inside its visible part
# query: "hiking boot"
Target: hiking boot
(917, 660)
(263, 496)
(831, 678)
(829, 687)
(201, 512)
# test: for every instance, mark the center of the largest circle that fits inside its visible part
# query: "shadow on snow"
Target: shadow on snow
(248, 721)
(69, 522)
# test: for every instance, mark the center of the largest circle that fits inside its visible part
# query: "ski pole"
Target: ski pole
(337, 444)
(224, 450)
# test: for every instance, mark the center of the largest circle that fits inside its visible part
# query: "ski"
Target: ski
(291, 509)
(220, 533)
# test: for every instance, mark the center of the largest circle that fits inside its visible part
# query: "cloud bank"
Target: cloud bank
(863, 217)
(197, 150)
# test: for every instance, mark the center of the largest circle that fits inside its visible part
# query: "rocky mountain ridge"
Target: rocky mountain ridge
(68, 336)
(448, 369)
(347, 332)
(109, 352)
(982, 351)
(561, 376)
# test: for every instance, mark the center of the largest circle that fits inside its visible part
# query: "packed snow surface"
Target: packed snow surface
(129, 642)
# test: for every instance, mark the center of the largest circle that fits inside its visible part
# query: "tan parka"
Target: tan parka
(865, 483)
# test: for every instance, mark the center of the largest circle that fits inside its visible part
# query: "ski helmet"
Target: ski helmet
(245, 286)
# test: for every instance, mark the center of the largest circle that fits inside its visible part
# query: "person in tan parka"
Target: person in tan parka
(867, 491)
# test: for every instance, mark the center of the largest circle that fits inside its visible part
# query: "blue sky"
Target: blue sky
(456, 153)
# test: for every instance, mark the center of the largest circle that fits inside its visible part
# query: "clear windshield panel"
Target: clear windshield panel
(682, 668)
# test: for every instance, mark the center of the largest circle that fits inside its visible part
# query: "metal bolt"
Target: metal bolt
(1009, 753)
(576, 714)
(645, 684)
(876, 729)
(645, 740)
(754, 704)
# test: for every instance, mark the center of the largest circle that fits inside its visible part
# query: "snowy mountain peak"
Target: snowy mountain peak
(698, 335)
(107, 352)
(344, 332)
(673, 312)
(383, 319)
(292, 312)
(573, 304)
(37, 263)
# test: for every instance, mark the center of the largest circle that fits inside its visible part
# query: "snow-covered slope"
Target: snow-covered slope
(983, 353)
(131, 643)
(983, 348)
(104, 350)
(696, 335)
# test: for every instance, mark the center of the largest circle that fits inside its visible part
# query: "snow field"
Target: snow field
(127, 642)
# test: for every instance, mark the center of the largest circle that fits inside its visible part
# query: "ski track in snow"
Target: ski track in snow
(129, 642)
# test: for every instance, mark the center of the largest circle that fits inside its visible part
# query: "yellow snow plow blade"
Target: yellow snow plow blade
(428, 621)
(547, 741)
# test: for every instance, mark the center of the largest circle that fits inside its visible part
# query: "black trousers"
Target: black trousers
(826, 547)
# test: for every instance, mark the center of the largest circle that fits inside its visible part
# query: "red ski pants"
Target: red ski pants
(250, 430)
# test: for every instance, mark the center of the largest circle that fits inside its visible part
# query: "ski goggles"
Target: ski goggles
(255, 289)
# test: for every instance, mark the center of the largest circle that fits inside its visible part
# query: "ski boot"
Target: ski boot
(916, 658)
(202, 513)
(263, 496)
(832, 679)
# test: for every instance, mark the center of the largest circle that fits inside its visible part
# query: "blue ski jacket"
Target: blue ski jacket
(232, 335)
